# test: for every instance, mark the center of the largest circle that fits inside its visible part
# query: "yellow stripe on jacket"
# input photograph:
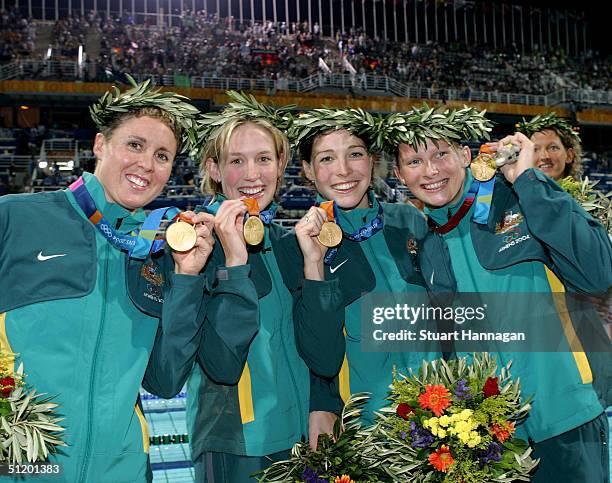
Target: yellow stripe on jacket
(245, 396)
(144, 427)
(8, 356)
(568, 327)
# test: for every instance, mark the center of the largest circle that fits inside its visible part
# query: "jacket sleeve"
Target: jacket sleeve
(178, 336)
(577, 243)
(325, 394)
(232, 321)
(318, 313)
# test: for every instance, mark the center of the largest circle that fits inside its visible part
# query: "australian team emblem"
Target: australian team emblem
(150, 272)
(510, 221)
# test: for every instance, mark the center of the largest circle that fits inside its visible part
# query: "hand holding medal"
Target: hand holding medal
(331, 234)
(484, 166)
(192, 241)
(307, 232)
(522, 151)
(253, 228)
(181, 235)
(229, 226)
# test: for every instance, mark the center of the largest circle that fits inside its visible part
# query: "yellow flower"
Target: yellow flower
(464, 437)
(474, 440)
(466, 414)
(441, 433)
(431, 423)
(445, 421)
(461, 427)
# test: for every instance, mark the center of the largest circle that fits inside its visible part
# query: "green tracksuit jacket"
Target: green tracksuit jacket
(558, 247)
(259, 404)
(77, 315)
(384, 263)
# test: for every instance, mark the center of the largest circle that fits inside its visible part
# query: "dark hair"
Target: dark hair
(154, 112)
(306, 145)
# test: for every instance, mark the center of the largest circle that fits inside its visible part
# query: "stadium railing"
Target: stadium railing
(368, 83)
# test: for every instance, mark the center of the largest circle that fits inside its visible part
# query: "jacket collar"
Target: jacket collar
(112, 212)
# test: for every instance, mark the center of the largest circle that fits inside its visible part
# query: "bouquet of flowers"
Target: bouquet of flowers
(28, 425)
(454, 421)
(348, 456)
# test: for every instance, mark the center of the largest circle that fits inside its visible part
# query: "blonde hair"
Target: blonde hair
(217, 147)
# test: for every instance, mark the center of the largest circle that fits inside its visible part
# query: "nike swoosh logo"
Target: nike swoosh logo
(332, 270)
(43, 258)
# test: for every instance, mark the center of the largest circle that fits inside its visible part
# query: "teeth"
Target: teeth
(345, 186)
(545, 165)
(137, 180)
(251, 191)
(434, 186)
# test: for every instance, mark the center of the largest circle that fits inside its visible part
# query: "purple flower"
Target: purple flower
(492, 453)
(403, 434)
(421, 437)
(462, 391)
(310, 476)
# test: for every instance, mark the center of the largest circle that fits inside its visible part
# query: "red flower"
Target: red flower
(503, 431)
(436, 398)
(7, 384)
(441, 459)
(404, 410)
(491, 388)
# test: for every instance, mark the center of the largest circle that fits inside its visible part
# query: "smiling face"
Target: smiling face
(435, 175)
(551, 155)
(134, 164)
(251, 167)
(340, 168)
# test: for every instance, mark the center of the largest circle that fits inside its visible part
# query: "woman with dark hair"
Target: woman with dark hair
(77, 305)
(368, 247)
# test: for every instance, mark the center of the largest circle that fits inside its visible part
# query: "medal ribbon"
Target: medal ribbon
(330, 209)
(252, 206)
(458, 216)
(482, 193)
(363, 233)
(138, 246)
(483, 202)
(266, 216)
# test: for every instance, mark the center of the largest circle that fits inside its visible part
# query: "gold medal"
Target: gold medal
(483, 167)
(181, 236)
(330, 235)
(253, 230)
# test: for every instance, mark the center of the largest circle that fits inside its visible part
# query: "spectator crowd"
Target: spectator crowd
(203, 45)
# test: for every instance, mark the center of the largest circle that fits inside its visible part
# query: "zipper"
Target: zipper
(92, 373)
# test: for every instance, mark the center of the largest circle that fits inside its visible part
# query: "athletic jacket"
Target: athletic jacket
(82, 320)
(538, 239)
